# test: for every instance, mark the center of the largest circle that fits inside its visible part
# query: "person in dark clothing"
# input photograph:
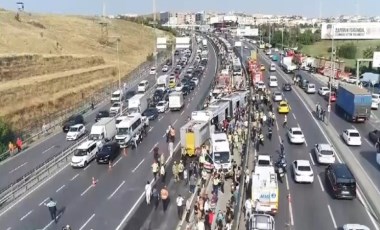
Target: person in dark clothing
(155, 197)
(52, 205)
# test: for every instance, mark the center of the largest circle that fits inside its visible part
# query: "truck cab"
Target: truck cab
(221, 153)
(117, 96)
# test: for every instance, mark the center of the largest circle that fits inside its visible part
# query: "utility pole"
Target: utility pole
(332, 73)
(155, 32)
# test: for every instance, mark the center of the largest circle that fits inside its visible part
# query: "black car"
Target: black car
(176, 52)
(185, 90)
(287, 87)
(303, 84)
(184, 81)
(108, 153)
(169, 62)
(192, 85)
(374, 135)
(151, 113)
(341, 181)
(73, 120)
(101, 114)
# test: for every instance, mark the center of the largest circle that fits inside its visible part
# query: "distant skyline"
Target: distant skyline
(311, 8)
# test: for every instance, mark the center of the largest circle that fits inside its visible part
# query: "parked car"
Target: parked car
(323, 90)
(73, 120)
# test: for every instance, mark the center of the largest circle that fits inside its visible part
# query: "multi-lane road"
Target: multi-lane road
(112, 201)
(304, 206)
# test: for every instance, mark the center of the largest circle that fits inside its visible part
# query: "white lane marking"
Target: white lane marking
(73, 178)
(187, 106)
(312, 159)
(287, 182)
(88, 166)
(115, 191)
(134, 170)
(374, 222)
(277, 125)
(43, 202)
(46, 150)
(31, 191)
(368, 142)
(18, 167)
(116, 162)
(279, 137)
(51, 222)
(87, 221)
(320, 183)
(87, 189)
(175, 122)
(154, 146)
(26, 215)
(159, 119)
(182, 112)
(60, 188)
(353, 127)
(291, 211)
(294, 116)
(150, 129)
(9, 228)
(332, 216)
(164, 134)
(306, 143)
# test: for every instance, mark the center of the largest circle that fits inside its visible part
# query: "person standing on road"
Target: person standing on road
(155, 169)
(163, 173)
(248, 209)
(52, 205)
(179, 202)
(282, 148)
(180, 168)
(155, 197)
(285, 121)
(165, 198)
(192, 183)
(148, 192)
(175, 171)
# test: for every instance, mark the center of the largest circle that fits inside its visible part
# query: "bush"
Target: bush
(6, 135)
(347, 50)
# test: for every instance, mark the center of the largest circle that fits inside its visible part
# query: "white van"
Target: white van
(220, 152)
(128, 129)
(84, 154)
(143, 86)
(273, 81)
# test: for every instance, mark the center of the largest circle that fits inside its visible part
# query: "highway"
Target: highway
(118, 190)
(307, 206)
(37, 153)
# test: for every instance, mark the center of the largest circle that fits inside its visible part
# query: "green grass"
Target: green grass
(319, 49)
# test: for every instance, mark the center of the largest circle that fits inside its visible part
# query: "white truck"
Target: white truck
(221, 152)
(117, 96)
(194, 134)
(204, 43)
(138, 103)
(104, 129)
(176, 101)
(287, 64)
(130, 128)
(204, 55)
(163, 82)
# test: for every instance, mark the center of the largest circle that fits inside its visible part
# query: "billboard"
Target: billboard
(352, 31)
(182, 42)
(247, 31)
(161, 43)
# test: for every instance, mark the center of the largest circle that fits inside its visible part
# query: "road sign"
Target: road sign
(376, 59)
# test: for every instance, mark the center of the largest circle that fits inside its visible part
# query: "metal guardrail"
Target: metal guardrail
(31, 179)
(77, 109)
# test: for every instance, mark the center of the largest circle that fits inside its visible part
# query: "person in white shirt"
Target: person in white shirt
(148, 192)
(248, 208)
(179, 202)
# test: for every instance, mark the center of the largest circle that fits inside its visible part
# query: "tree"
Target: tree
(6, 135)
(347, 50)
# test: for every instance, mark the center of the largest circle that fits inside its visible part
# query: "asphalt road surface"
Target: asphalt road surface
(111, 202)
(39, 152)
(307, 206)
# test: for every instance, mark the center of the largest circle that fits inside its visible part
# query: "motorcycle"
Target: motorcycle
(281, 163)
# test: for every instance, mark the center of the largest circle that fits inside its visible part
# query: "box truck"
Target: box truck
(176, 101)
(104, 129)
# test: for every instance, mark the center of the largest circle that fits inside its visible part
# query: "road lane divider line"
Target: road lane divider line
(18, 167)
(116, 162)
(320, 183)
(290, 210)
(43, 202)
(294, 116)
(87, 189)
(182, 112)
(175, 122)
(134, 170)
(159, 119)
(87, 221)
(73, 178)
(305, 142)
(287, 182)
(47, 150)
(26, 215)
(312, 159)
(150, 128)
(155, 145)
(187, 106)
(88, 166)
(9, 228)
(368, 142)
(332, 216)
(60, 188)
(51, 222)
(115, 191)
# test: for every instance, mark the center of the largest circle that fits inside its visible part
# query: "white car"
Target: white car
(296, 136)
(85, 153)
(374, 104)
(275, 49)
(352, 137)
(152, 71)
(273, 81)
(355, 227)
(115, 108)
(75, 132)
(260, 85)
(277, 96)
(323, 90)
(178, 87)
(195, 80)
(303, 172)
(376, 97)
(324, 153)
(352, 80)
(272, 67)
(162, 106)
(310, 88)
(245, 47)
(165, 68)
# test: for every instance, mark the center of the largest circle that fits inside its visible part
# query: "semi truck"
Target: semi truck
(353, 103)
(104, 129)
(176, 101)
(138, 103)
(163, 82)
(193, 135)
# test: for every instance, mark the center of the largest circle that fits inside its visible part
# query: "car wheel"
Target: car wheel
(85, 164)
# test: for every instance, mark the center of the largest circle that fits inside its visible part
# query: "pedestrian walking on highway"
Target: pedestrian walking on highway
(282, 148)
(155, 169)
(188, 210)
(192, 183)
(175, 171)
(155, 197)
(148, 192)
(67, 227)
(180, 168)
(163, 173)
(248, 209)
(165, 198)
(180, 206)
(285, 121)
(52, 205)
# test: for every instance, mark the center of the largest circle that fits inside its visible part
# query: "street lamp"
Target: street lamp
(119, 72)
(332, 73)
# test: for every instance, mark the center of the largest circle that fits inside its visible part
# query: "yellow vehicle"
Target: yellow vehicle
(262, 68)
(283, 107)
(172, 82)
(193, 135)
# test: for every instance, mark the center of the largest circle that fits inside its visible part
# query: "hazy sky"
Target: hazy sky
(308, 8)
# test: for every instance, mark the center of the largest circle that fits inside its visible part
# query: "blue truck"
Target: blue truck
(353, 103)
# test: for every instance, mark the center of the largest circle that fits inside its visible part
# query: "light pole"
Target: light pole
(118, 66)
(332, 73)
(155, 33)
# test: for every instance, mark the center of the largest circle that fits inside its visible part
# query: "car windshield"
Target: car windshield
(304, 168)
(221, 157)
(354, 135)
(277, 94)
(102, 113)
(311, 86)
(327, 152)
(123, 131)
(106, 149)
(297, 132)
(284, 105)
(80, 152)
(116, 105)
(141, 84)
(160, 104)
(74, 129)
